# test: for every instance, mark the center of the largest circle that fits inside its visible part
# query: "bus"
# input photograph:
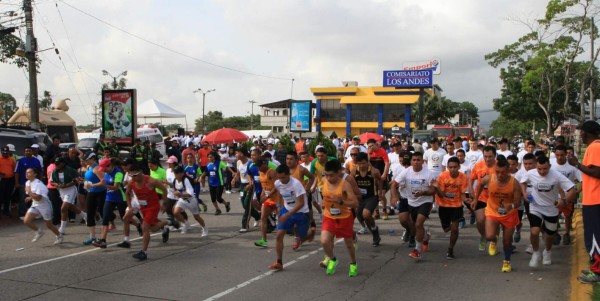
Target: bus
(445, 132)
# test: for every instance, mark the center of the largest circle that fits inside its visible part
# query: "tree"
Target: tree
(46, 101)
(215, 120)
(439, 110)
(468, 113)
(505, 127)
(8, 107)
(543, 66)
(8, 46)
(173, 127)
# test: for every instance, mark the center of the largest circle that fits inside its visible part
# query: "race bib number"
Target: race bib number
(363, 191)
(450, 195)
(335, 211)
(142, 202)
(241, 193)
(256, 178)
(212, 173)
(289, 199)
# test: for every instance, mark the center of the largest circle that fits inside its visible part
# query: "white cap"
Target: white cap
(11, 147)
(35, 145)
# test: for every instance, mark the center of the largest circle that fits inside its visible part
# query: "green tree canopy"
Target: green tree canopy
(8, 107)
(46, 101)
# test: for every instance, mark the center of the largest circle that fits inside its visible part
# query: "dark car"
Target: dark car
(87, 144)
(23, 138)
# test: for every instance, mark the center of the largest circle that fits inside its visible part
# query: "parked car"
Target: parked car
(21, 138)
(64, 147)
(87, 144)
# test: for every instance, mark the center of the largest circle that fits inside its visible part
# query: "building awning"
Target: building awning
(397, 99)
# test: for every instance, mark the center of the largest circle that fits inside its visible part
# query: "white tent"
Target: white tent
(153, 108)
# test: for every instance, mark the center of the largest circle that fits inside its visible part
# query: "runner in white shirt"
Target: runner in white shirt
(503, 148)
(394, 156)
(294, 212)
(572, 173)
(546, 185)
(183, 192)
(529, 148)
(419, 192)
(399, 199)
(355, 143)
(37, 194)
(434, 157)
(473, 155)
(451, 153)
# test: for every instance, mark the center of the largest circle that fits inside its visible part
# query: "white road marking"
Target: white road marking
(245, 283)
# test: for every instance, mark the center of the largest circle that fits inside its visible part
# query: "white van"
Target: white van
(146, 132)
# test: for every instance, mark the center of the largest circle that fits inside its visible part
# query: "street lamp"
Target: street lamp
(203, 99)
(252, 115)
(124, 73)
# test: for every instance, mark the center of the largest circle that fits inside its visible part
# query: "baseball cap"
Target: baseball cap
(104, 163)
(591, 127)
(35, 145)
(5, 150)
(222, 149)
(11, 147)
(59, 160)
(172, 159)
(89, 156)
(356, 138)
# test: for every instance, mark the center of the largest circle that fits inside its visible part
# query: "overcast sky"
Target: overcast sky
(318, 43)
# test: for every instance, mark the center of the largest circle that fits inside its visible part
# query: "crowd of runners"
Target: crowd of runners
(481, 182)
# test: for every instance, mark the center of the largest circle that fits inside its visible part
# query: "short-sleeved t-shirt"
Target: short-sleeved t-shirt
(159, 174)
(254, 173)
(568, 171)
(38, 188)
(545, 190)
(412, 181)
(215, 173)
(472, 156)
(378, 159)
(203, 156)
(25, 163)
(290, 192)
(243, 170)
(591, 185)
(434, 160)
(453, 188)
(116, 176)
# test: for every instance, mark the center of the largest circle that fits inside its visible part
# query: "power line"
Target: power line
(172, 50)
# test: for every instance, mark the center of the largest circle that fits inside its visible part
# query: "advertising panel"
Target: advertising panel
(119, 115)
(434, 64)
(408, 78)
(300, 116)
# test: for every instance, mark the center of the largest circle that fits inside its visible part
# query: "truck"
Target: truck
(444, 132)
(424, 135)
(464, 132)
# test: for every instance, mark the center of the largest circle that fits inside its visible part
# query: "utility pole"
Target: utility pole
(96, 116)
(252, 115)
(203, 100)
(30, 49)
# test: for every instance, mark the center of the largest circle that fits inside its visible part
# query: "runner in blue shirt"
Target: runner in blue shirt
(214, 172)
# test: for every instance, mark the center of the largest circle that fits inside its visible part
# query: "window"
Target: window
(393, 113)
(362, 112)
(332, 110)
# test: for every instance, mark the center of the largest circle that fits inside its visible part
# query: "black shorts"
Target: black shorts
(423, 209)
(369, 204)
(591, 230)
(549, 224)
(449, 215)
(402, 205)
(480, 205)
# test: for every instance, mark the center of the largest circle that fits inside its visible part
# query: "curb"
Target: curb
(579, 261)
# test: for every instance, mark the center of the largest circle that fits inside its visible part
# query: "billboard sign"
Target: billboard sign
(300, 116)
(119, 115)
(433, 65)
(408, 78)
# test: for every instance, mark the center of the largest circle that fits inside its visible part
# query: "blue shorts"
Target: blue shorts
(299, 219)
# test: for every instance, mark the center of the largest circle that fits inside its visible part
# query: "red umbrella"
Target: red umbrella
(364, 137)
(225, 135)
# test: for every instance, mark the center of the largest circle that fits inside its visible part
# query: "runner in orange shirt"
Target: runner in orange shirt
(450, 189)
(269, 198)
(478, 172)
(503, 200)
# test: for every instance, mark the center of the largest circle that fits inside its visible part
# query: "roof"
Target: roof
(281, 104)
(53, 117)
(154, 108)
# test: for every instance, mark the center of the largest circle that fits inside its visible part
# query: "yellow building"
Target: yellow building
(355, 110)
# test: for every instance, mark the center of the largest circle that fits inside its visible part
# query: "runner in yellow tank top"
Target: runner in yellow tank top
(504, 197)
(337, 217)
(269, 198)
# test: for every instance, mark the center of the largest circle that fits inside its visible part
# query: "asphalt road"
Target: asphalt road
(227, 266)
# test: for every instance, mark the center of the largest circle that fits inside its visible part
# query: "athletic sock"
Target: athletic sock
(507, 253)
(83, 215)
(419, 246)
(125, 238)
(63, 225)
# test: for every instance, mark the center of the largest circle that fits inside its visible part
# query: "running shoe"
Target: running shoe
(353, 271)
(297, 243)
(256, 224)
(492, 249)
(482, 244)
(89, 241)
(124, 244)
(228, 191)
(362, 231)
(101, 243)
(434, 208)
(385, 216)
(204, 232)
(276, 266)
(472, 220)
(557, 239)
(547, 257)
(324, 262)
(426, 241)
(227, 207)
(173, 222)
(331, 267)
(415, 254)
(411, 242)
(376, 237)
(589, 278)
(566, 240)
(38, 235)
(185, 228)
(506, 268)
(517, 236)
(165, 234)
(261, 243)
(405, 236)
(535, 260)
(450, 255)
(461, 222)
(218, 212)
(529, 250)
(141, 255)
(139, 229)
(243, 230)
(59, 239)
